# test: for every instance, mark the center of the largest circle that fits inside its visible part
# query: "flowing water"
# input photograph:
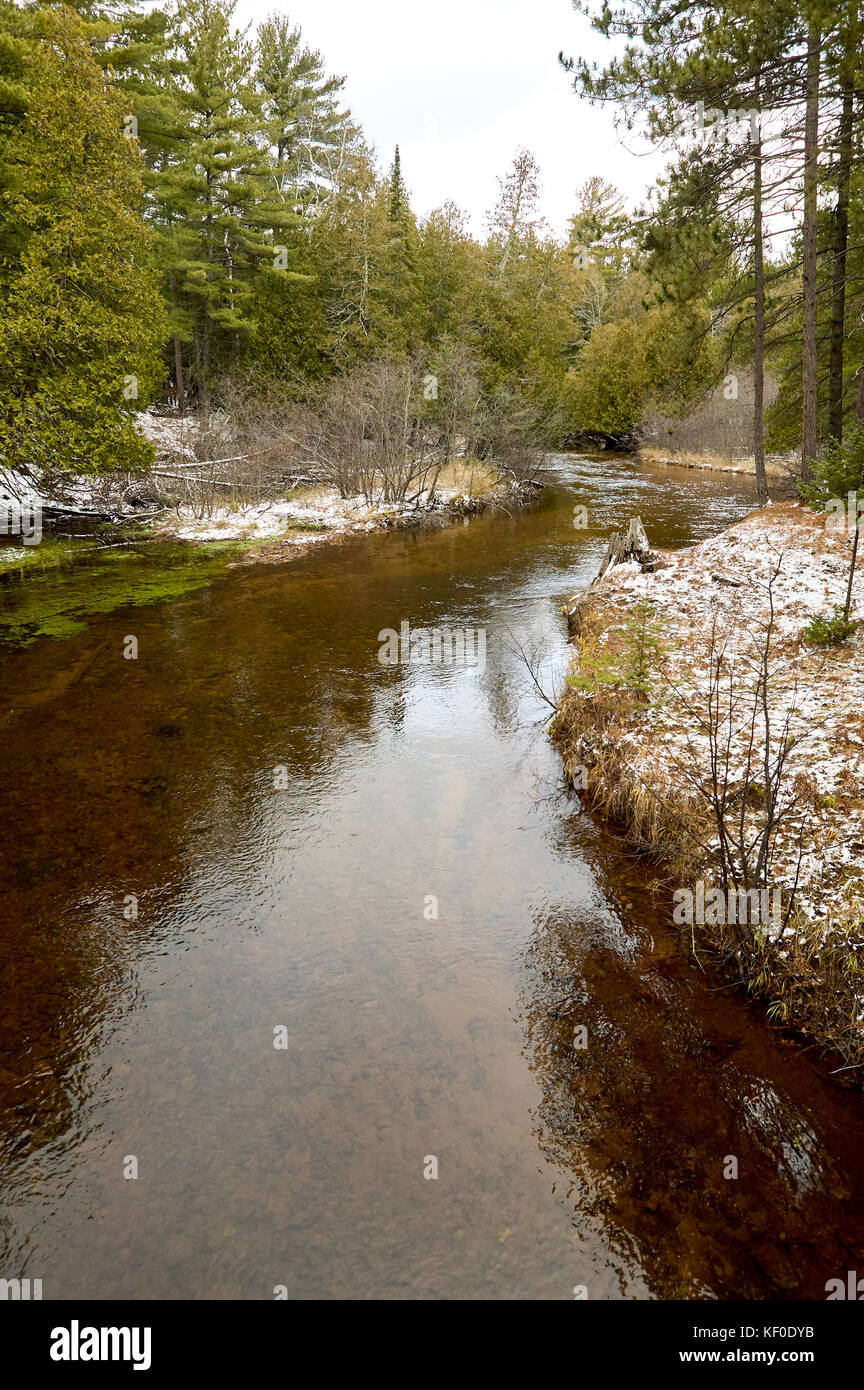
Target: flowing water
(301, 913)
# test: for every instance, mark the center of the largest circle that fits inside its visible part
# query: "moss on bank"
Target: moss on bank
(50, 589)
(53, 593)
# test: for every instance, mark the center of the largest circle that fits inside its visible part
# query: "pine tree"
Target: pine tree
(310, 135)
(130, 43)
(82, 319)
(217, 202)
(396, 282)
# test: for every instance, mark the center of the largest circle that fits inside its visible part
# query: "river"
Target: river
(302, 913)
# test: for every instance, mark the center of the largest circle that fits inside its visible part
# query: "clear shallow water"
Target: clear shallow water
(303, 908)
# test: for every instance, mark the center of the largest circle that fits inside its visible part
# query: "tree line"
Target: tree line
(191, 214)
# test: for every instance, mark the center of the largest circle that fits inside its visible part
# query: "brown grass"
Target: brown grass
(472, 477)
(813, 989)
(587, 729)
(723, 463)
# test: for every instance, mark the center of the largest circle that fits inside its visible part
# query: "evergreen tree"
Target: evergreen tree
(396, 288)
(398, 197)
(450, 277)
(82, 318)
(218, 204)
(15, 37)
(310, 135)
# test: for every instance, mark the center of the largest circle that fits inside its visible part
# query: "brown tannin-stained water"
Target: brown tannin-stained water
(302, 908)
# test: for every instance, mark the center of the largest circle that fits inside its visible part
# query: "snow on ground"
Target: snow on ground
(325, 514)
(170, 434)
(15, 487)
(315, 513)
(717, 596)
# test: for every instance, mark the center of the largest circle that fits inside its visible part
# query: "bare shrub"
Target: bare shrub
(401, 439)
(333, 438)
(384, 429)
(716, 424)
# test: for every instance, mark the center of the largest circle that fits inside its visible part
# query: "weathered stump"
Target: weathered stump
(630, 546)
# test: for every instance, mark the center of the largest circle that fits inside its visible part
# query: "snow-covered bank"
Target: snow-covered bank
(188, 499)
(716, 733)
(318, 515)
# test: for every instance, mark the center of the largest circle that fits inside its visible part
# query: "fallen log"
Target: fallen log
(57, 513)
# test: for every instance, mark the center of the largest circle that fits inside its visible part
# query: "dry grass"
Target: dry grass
(469, 476)
(721, 463)
(685, 458)
(587, 731)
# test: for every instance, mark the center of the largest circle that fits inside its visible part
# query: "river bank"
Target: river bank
(53, 587)
(82, 545)
(290, 527)
(265, 523)
(777, 466)
(731, 748)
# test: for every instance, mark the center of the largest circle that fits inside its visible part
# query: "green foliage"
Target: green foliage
(838, 471)
(632, 665)
(241, 188)
(309, 134)
(602, 228)
(643, 648)
(82, 320)
(398, 200)
(606, 393)
(291, 338)
(830, 632)
(216, 199)
(451, 277)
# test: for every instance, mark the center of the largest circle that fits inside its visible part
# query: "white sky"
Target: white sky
(460, 84)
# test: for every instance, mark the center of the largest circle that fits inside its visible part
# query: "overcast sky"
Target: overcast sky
(460, 84)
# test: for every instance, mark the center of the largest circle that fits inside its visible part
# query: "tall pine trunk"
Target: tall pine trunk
(759, 316)
(841, 227)
(810, 398)
(178, 353)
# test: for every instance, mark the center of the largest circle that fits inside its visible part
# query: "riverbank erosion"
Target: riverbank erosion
(701, 715)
